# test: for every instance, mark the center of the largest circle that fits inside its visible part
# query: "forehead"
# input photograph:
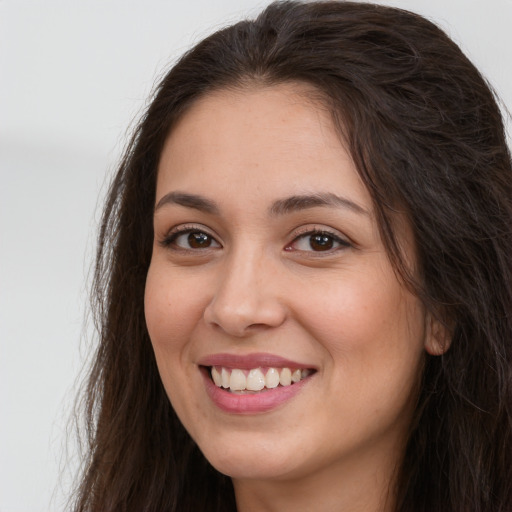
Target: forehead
(261, 138)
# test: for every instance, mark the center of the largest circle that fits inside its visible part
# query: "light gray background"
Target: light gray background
(73, 75)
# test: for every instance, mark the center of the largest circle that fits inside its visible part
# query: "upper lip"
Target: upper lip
(248, 361)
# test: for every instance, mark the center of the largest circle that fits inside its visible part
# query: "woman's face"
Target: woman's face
(268, 268)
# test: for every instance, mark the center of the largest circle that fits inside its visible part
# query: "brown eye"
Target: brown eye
(321, 242)
(198, 240)
(190, 239)
(318, 241)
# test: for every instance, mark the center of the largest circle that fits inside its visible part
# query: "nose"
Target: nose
(246, 297)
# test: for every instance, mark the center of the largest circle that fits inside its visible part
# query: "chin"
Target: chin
(259, 463)
(247, 470)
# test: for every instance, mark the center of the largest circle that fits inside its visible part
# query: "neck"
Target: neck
(361, 485)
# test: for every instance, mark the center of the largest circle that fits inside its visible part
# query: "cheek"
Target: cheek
(373, 335)
(372, 329)
(174, 307)
(171, 310)
(355, 307)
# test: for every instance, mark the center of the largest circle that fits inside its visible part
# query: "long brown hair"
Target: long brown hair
(426, 135)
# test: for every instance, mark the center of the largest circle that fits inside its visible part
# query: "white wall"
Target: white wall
(72, 77)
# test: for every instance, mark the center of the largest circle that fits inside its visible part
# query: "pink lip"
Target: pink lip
(263, 401)
(246, 362)
(250, 404)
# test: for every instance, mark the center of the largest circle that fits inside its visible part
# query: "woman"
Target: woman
(304, 278)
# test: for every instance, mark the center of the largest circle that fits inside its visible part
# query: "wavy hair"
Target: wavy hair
(426, 135)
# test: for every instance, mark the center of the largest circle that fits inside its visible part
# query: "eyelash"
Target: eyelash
(336, 239)
(170, 240)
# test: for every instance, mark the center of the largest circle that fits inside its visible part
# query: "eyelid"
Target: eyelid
(302, 232)
(305, 231)
(183, 229)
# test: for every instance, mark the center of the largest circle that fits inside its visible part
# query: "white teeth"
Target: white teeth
(216, 377)
(285, 379)
(237, 381)
(272, 378)
(225, 378)
(255, 379)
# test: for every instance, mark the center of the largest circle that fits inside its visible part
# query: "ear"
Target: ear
(438, 335)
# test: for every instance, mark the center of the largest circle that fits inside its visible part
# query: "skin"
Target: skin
(261, 286)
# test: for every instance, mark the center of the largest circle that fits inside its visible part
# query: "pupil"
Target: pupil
(321, 242)
(199, 240)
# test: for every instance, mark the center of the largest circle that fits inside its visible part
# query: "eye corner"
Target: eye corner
(189, 238)
(318, 242)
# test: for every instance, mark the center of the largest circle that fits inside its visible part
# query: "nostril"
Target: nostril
(244, 317)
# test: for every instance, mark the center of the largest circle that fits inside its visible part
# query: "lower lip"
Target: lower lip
(263, 401)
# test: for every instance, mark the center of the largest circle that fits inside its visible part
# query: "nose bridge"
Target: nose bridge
(245, 297)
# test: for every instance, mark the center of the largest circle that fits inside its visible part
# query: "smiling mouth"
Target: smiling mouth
(256, 380)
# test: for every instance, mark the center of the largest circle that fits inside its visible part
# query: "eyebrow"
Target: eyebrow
(320, 199)
(280, 207)
(189, 201)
